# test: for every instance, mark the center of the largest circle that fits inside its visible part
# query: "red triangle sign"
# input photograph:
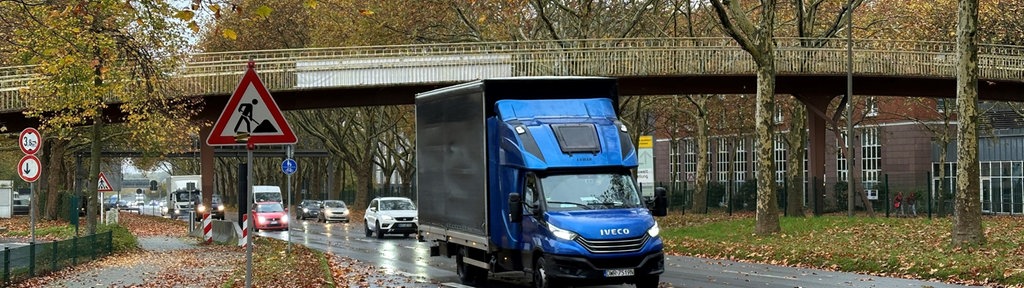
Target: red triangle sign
(103, 185)
(251, 111)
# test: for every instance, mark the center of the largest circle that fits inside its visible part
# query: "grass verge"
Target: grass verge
(273, 267)
(894, 247)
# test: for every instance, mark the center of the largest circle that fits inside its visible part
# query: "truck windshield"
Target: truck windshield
(589, 191)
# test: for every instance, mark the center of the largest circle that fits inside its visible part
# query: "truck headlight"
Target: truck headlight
(201, 208)
(305, 210)
(220, 208)
(561, 233)
(654, 230)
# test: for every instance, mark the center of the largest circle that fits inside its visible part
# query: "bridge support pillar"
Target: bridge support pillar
(817, 106)
(207, 164)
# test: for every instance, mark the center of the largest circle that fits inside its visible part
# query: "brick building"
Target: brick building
(896, 139)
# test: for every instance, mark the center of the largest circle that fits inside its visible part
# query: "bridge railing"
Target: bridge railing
(310, 68)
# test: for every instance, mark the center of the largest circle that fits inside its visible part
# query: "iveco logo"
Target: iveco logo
(606, 232)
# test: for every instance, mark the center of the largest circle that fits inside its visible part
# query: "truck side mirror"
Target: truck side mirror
(515, 207)
(660, 202)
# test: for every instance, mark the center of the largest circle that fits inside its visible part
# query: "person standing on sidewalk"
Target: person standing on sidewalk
(911, 203)
(897, 202)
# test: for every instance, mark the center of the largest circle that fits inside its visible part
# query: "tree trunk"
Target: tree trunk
(797, 138)
(364, 178)
(55, 172)
(767, 221)
(94, 172)
(967, 213)
(700, 185)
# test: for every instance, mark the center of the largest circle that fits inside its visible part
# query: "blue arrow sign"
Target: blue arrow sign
(288, 166)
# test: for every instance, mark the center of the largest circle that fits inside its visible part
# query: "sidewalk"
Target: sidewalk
(168, 258)
(163, 262)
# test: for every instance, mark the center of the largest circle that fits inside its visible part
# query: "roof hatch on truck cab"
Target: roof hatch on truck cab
(577, 138)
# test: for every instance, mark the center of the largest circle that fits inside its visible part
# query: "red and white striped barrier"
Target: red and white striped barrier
(207, 228)
(245, 231)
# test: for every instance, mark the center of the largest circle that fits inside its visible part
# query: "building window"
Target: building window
(943, 104)
(723, 160)
(779, 156)
(690, 168)
(872, 159)
(842, 168)
(872, 107)
(740, 163)
(779, 117)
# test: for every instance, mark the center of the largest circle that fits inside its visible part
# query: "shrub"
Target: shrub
(123, 240)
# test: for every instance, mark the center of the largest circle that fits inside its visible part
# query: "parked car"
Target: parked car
(391, 215)
(333, 210)
(310, 209)
(270, 216)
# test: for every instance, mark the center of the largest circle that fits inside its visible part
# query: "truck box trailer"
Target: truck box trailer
(534, 174)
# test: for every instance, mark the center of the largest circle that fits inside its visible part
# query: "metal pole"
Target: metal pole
(248, 247)
(929, 175)
(849, 106)
(288, 183)
(32, 208)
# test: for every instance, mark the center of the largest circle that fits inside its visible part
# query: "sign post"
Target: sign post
(645, 167)
(255, 119)
(29, 168)
(103, 185)
(288, 167)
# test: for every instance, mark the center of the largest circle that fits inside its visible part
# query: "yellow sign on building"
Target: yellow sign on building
(646, 141)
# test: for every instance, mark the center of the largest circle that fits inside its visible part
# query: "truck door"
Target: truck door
(532, 222)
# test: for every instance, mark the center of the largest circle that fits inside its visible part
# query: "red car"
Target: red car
(270, 216)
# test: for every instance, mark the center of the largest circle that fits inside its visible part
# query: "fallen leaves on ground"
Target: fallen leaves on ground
(145, 225)
(916, 248)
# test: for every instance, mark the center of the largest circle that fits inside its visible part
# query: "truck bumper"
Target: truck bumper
(592, 271)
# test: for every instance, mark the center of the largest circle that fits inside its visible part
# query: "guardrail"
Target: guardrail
(217, 73)
(37, 258)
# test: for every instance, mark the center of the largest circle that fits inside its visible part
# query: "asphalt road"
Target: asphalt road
(408, 257)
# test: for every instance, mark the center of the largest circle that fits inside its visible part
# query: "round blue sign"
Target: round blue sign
(288, 166)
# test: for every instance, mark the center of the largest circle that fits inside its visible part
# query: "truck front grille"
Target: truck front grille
(613, 246)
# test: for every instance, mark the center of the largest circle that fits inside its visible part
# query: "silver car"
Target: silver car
(333, 210)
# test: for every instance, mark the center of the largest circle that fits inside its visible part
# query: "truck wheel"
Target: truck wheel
(469, 274)
(541, 279)
(380, 233)
(648, 281)
(368, 232)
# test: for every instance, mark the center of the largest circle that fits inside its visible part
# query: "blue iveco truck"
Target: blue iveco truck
(534, 175)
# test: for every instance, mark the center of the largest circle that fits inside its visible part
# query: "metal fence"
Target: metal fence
(34, 259)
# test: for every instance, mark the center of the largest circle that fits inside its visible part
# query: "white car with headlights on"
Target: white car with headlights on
(391, 215)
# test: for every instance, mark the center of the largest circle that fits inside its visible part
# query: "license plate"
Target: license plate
(273, 222)
(618, 272)
(404, 225)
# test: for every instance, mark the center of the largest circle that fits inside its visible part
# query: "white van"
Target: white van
(267, 194)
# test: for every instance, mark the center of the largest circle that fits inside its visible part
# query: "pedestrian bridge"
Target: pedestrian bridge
(645, 65)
